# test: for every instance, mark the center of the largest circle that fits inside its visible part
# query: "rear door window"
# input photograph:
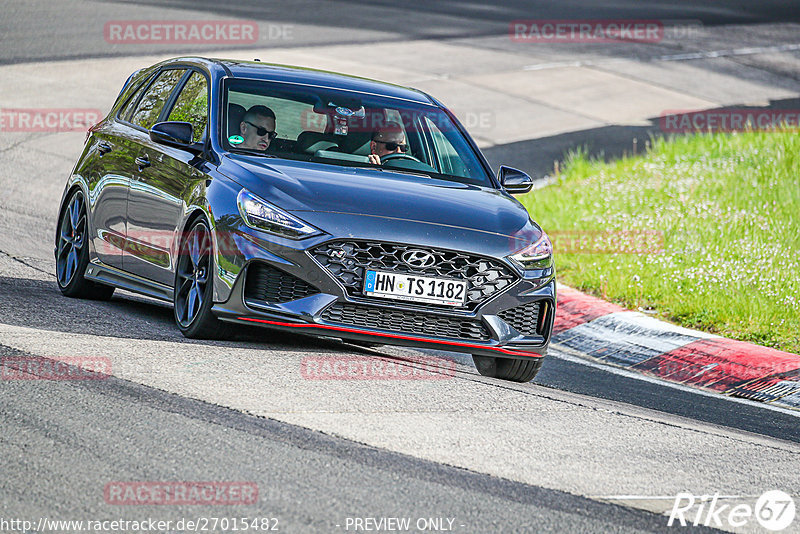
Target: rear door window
(192, 105)
(126, 110)
(152, 102)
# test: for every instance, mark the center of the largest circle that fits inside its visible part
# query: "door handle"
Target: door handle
(104, 147)
(142, 162)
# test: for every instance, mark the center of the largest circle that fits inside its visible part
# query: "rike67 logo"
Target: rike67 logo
(774, 511)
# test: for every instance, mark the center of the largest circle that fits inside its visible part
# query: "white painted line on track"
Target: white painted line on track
(749, 51)
(689, 56)
(662, 497)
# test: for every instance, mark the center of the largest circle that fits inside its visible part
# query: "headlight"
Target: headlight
(262, 215)
(538, 255)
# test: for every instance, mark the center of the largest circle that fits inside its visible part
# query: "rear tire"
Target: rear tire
(194, 286)
(72, 253)
(508, 368)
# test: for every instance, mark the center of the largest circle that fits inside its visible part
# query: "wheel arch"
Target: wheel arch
(194, 214)
(76, 185)
(192, 217)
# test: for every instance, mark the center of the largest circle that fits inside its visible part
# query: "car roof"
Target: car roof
(301, 75)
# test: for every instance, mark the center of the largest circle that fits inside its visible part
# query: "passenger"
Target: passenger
(388, 139)
(258, 128)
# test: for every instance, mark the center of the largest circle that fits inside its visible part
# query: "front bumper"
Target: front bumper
(515, 322)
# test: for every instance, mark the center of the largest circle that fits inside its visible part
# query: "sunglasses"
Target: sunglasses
(394, 146)
(261, 131)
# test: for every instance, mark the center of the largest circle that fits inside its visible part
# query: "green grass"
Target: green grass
(728, 210)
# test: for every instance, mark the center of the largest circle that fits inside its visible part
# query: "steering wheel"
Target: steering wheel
(398, 155)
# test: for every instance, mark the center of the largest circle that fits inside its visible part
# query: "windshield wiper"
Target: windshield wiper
(252, 152)
(419, 174)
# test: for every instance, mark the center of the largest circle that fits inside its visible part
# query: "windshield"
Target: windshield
(338, 127)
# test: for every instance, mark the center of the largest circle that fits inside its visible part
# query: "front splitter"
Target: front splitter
(392, 338)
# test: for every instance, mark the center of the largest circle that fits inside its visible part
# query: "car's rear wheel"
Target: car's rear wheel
(508, 368)
(194, 287)
(72, 253)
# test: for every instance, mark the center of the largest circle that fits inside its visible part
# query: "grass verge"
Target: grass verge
(701, 230)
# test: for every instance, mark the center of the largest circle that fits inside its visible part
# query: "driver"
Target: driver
(388, 139)
(258, 128)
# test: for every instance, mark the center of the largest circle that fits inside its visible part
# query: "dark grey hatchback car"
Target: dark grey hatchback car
(307, 201)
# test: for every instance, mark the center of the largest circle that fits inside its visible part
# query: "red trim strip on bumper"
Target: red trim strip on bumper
(395, 336)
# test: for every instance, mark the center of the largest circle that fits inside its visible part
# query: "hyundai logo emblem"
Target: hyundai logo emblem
(418, 258)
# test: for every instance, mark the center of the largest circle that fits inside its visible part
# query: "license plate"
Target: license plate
(414, 288)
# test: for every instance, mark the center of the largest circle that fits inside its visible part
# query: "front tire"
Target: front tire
(508, 368)
(72, 252)
(194, 285)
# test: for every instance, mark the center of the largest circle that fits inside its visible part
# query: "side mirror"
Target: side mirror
(177, 134)
(514, 181)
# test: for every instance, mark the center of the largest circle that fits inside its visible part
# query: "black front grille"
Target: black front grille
(405, 322)
(524, 319)
(270, 285)
(348, 261)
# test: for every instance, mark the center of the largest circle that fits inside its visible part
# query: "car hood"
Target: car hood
(306, 188)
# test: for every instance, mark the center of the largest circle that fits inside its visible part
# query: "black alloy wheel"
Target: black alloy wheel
(194, 287)
(72, 253)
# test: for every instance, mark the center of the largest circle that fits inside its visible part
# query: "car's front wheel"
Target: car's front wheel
(194, 288)
(508, 368)
(72, 252)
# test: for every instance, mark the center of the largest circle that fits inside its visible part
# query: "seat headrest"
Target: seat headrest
(356, 143)
(235, 116)
(311, 142)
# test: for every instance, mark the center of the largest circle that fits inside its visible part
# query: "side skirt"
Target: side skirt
(111, 276)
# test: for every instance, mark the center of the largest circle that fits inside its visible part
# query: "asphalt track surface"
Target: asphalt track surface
(309, 481)
(36, 30)
(318, 460)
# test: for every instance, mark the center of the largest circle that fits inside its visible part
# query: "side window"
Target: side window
(291, 117)
(192, 105)
(446, 154)
(151, 104)
(126, 111)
